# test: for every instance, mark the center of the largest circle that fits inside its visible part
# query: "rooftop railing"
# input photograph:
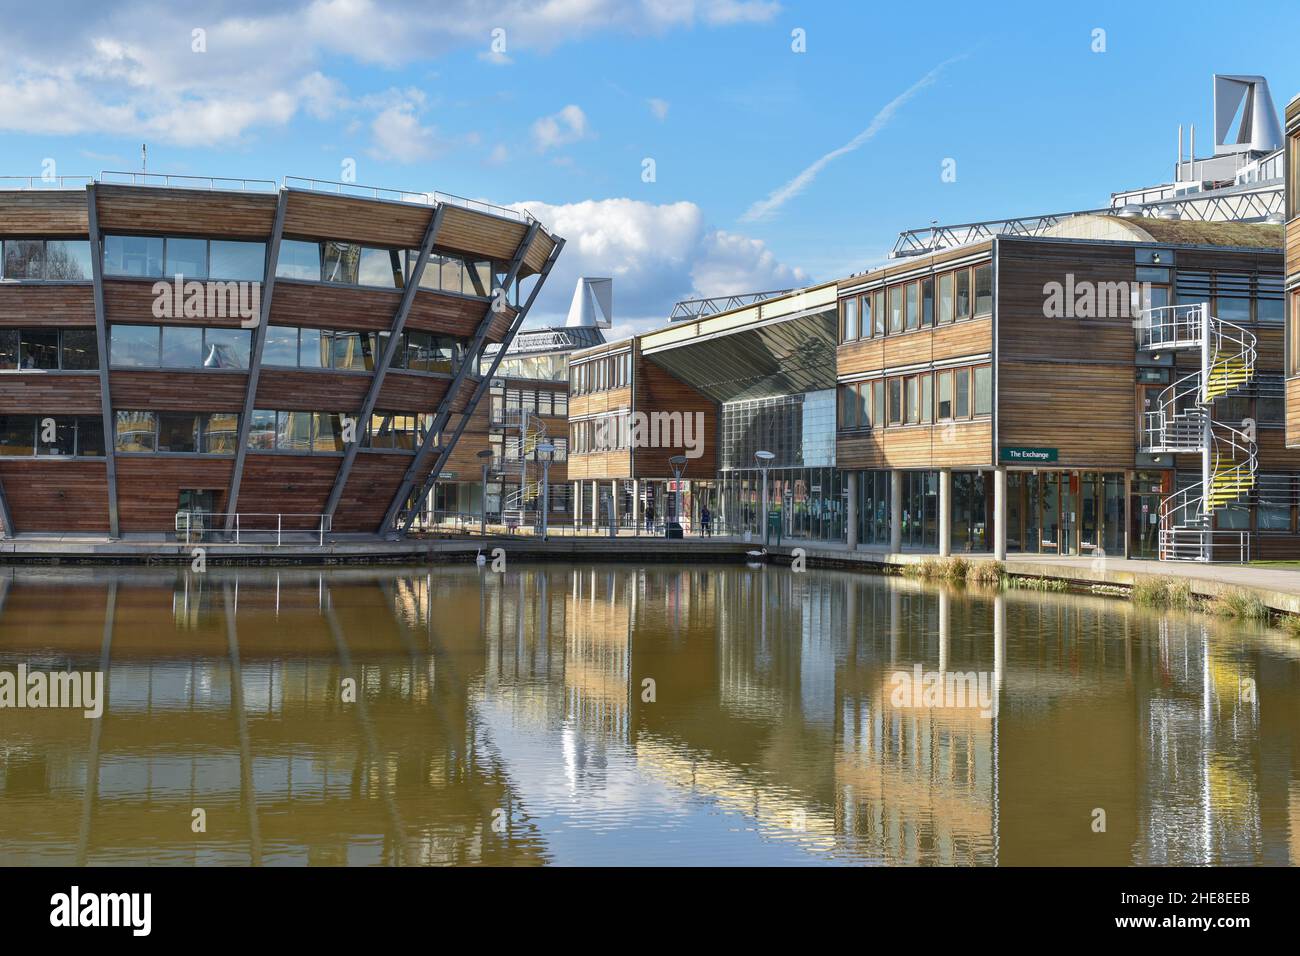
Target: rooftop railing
(405, 195)
(45, 182)
(164, 180)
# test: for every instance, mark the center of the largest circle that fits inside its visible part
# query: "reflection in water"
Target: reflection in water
(581, 714)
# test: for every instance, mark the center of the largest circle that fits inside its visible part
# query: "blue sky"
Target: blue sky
(587, 90)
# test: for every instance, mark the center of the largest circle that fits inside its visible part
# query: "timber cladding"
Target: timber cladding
(328, 306)
(207, 391)
(53, 495)
(948, 445)
(657, 391)
(1293, 411)
(55, 304)
(187, 212)
(1065, 382)
(310, 390)
(369, 489)
(149, 487)
(69, 393)
(36, 213)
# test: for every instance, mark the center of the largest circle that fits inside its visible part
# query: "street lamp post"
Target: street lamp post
(548, 449)
(678, 465)
(764, 459)
(484, 456)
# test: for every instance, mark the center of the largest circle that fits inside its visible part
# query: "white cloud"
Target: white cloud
(658, 108)
(128, 68)
(399, 135)
(774, 200)
(499, 155)
(656, 254)
(567, 126)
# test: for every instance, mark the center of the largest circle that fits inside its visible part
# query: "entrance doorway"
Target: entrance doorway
(198, 505)
(1149, 487)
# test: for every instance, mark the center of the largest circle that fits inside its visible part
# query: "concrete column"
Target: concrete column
(945, 512)
(613, 503)
(636, 506)
(895, 511)
(851, 512)
(1000, 514)
(577, 503)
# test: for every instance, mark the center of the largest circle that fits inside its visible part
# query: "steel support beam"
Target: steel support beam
(385, 360)
(472, 360)
(8, 530)
(446, 447)
(255, 359)
(101, 343)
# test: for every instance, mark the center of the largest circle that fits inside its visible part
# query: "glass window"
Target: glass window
(134, 346)
(56, 437)
(293, 431)
(281, 346)
(352, 350)
(849, 312)
(261, 429)
(896, 309)
(68, 259)
(9, 339)
(135, 431)
(133, 256)
(220, 433)
(945, 396)
(313, 348)
(24, 259)
(1233, 309)
(182, 347)
(298, 260)
(878, 419)
(187, 257)
(342, 261)
(327, 431)
(17, 435)
(878, 312)
(863, 394)
(450, 269)
(913, 399)
(848, 406)
(237, 261)
(927, 397)
(864, 320)
(178, 431)
(927, 302)
(80, 349)
(913, 313)
(962, 408)
(432, 277)
(984, 289)
(895, 401)
(39, 348)
(983, 390)
(381, 267)
(90, 436)
(963, 294)
(476, 278)
(945, 298)
(226, 348)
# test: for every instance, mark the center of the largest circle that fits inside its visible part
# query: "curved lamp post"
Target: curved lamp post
(548, 449)
(764, 460)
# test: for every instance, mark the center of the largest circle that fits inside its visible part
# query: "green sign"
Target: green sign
(1015, 455)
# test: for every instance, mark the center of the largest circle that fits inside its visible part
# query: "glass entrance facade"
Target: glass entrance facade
(810, 502)
(1065, 512)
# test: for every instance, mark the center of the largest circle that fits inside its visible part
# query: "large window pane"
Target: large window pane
(983, 289)
(962, 409)
(187, 257)
(913, 313)
(963, 294)
(327, 431)
(342, 262)
(182, 347)
(135, 431)
(293, 431)
(354, 350)
(39, 348)
(90, 436)
(946, 297)
(80, 349)
(261, 429)
(281, 346)
(17, 435)
(298, 260)
(134, 346)
(313, 349)
(221, 433)
(24, 259)
(226, 348)
(9, 340)
(133, 256)
(238, 261)
(927, 302)
(983, 390)
(68, 259)
(381, 267)
(477, 279)
(178, 431)
(56, 436)
(849, 319)
(896, 309)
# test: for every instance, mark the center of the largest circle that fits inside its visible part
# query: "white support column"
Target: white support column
(613, 503)
(851, 511)
(636, 506)
(577, 504)
(895, 511)
(1000, 514)
(945, 512)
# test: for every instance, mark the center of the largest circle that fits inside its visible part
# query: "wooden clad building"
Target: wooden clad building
(244, 359)
(1292, 189)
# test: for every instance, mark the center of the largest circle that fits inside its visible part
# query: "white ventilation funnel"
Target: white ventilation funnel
(592, 305)
(1248, 95)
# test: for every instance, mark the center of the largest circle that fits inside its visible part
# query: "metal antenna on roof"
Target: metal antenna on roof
(144, 157)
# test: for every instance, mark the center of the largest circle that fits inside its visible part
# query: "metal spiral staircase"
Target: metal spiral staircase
(531, 433)
(1183, 423)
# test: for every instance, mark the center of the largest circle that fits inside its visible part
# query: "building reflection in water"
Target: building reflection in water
(619, 714)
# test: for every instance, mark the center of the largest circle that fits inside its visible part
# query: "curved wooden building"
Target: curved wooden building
(313, 366)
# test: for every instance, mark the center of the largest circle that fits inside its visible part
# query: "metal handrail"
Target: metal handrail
(46, 182)
(419, 197)
(1171, 326)
(165, 180)
(207, 521)
(1199, 544)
